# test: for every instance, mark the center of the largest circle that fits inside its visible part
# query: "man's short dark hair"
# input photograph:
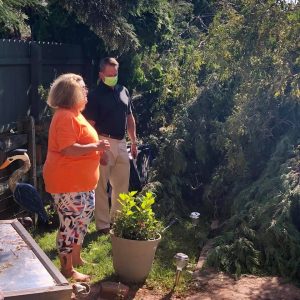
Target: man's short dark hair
(107, 61)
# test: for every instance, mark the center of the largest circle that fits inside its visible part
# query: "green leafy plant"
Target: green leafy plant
(136, 219)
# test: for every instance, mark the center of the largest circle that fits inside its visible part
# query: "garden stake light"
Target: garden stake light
(170, 224)
(195, 217)
(181, 261)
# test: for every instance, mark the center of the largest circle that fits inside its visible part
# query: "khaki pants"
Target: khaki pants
(117, 173)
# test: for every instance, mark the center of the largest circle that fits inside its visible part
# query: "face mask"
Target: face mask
(111, 81)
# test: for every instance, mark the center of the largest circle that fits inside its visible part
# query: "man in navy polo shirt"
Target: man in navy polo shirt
(109, 110)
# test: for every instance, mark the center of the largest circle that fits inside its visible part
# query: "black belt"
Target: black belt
(111, 136)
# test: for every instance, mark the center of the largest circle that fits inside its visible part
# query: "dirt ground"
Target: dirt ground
(215, 286)
(210, 285)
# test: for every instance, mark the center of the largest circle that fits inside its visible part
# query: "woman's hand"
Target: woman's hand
(79, 149)
(103, 145)
(134, 150)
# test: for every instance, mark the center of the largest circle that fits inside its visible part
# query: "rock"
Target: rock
(112, 290)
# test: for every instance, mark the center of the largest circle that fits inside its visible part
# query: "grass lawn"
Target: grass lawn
(181, 237)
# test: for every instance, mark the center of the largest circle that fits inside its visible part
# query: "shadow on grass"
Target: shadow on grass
(52, 254)
(42, 230)
(90, 237)
(180, 238)
(133, 289)
(95, 236)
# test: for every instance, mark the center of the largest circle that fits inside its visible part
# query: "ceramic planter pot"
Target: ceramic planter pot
(133, 259)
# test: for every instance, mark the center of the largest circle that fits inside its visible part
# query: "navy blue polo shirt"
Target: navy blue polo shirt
(109, 108)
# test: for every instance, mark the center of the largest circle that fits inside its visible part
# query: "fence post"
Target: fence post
(35, 78)
(32, 150)
(88, 69)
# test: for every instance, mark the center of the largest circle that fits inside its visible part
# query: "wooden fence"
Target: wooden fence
(25, 67)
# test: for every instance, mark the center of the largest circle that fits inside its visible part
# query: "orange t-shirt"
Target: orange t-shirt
(66, 174)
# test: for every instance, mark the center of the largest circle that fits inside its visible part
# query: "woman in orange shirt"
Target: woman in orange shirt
(71, 168)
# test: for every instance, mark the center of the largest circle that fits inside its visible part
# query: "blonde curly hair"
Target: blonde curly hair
(65, 91)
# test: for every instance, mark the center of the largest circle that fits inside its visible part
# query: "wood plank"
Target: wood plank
(63, 61)
(10, 211)
(59, 292)
(4, 176)
(13, 61)
(13, 141)
(32, 151)
(5, 199)
(3, 189)
(35, 78)
(8, 126)
(7, 221)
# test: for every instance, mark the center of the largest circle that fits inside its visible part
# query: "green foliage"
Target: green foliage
(238, 115)
(122, 25)
(225, 152)
(152, 21)
(165, 82)
(136, 220)
(165, 74)
(265, 221)
(106, 19)
(13, 17)
(238, 257)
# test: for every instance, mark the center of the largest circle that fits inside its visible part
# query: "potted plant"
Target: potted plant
(135, 236)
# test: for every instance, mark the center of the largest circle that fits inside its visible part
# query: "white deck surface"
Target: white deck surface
(20, 269)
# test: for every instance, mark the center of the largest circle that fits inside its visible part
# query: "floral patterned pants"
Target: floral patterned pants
(75, 211)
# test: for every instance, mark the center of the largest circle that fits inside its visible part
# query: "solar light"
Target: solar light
(181, 261)
(195, 217)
